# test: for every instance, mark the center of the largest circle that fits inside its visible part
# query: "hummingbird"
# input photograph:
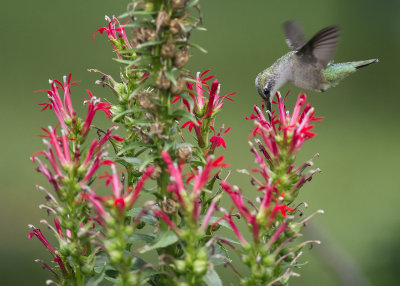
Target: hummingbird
(308, 65)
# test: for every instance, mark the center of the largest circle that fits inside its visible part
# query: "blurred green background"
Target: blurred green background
(358, 139)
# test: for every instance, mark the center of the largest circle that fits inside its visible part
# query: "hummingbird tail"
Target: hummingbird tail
(365, 63)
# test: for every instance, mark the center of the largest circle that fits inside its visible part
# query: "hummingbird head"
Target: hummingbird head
(265, 84)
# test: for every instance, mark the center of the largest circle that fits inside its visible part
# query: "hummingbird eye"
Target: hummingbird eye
(266, 91)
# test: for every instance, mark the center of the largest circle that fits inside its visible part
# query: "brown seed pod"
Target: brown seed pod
(156, 172)
(179, 86)
(168, 50)
(143, 99)
(157, 128)
(181, 58)
(162, 19)
(185, 152)
(168, 206)
(144, 34)
(162, 81)
(177, 4)
(175, 26)
(142, 135)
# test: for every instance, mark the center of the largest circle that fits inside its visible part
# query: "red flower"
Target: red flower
(116, 33)
(94, 105)
(62, 106)
(190, 200)
(217, 139)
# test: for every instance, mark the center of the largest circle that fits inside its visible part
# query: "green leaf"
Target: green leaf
(149, 43)
(218, 255)
(163, 239)
(133, 145)
(189, 99)
(147, 160)
(200, 48)
(101, 262)
(146, 218)
(191, 4)
(170, 75)
(96, 279)
(132, 110)
(212, 278)
(146, 237)
(126, 160)
(223, 223)
(185, 114)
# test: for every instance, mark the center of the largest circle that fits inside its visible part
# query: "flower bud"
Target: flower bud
(168, 50)
(162, 19)
(162, 81)
(181, 58)
(175, 26)
(185, 152)
(268, 260)
(178, 86)
(180, 266)
(200, 266)
(177, 4)
(115, 256)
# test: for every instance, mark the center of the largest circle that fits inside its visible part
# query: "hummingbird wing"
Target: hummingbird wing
(294, 35)
(321, 47)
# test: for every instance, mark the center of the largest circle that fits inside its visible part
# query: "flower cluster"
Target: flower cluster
(207, 103)
(162, 192)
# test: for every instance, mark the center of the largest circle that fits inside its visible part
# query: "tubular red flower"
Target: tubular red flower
(139, 186)
(94, 105)
(204, 106)
(177, 182)
(160, 214)
(217, 139)
(62, 107)
(115, 32)
(36, 232)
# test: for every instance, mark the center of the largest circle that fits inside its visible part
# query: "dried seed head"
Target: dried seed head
(144, 34)
(181, 58)
(162, 81)
(168, 50)
(175, 26)
(156, 172)
(143, 99)
(157, 128)
(185, 152)
(162, 19)
(168, 206)
(179, 86)
(177, 4)
(142, 135)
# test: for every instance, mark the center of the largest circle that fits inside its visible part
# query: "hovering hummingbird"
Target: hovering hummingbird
(308, 65)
